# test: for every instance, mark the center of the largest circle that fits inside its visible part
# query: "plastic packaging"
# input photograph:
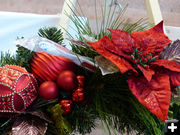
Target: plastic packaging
(39, 44)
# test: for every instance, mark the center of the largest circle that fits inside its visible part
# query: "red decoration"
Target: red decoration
(67, 81)
(66, 106)
(17, 90)
(139, 53)
(81, 80)
(46, 67)
(78, 95)
(48, 90)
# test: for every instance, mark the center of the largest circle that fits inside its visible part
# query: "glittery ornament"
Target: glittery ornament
(66, 106)
(48, 90)
(67, 81)
(78, 95)
(81, 80)
(46, 67)
(17, 90)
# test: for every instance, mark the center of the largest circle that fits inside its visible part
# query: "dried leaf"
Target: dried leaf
(106, 66)
(172, 52)
(29, 126)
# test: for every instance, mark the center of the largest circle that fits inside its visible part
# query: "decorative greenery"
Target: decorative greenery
(7, 58)
(56, 114)
(52, 33)
(109, 20)
(108, 98)
(82, 120)
(22, 58)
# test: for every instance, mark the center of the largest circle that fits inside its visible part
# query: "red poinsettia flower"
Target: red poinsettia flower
(151, 78)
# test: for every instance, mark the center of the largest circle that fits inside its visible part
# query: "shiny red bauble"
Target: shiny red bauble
(78, 95)
(48, 90)
(67, 81)
(46, 67)
(66, 106)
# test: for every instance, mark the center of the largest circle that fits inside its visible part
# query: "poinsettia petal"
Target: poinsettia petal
(171, 65)
(122, 40)
(120, 62)
(175, 78)
(152, 40)
(148, 73)
(154, 95)
(117, 51)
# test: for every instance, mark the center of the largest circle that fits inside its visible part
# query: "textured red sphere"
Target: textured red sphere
(66, 106)
(17, 90)
(46, 67)
(78, 95)
(67, 81)
(48, 90)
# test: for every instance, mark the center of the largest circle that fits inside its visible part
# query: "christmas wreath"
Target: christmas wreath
(127, 79)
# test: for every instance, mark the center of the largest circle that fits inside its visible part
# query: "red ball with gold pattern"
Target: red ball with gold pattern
(17, 90)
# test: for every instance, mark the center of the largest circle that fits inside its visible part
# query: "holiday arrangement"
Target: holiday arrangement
(125, 78)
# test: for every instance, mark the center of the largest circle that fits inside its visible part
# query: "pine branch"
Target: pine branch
(52, 33)
(7, 58)
(24, 57)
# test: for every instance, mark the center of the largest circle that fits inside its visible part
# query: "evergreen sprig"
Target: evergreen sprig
(52, 33)
(24, 57)
(109, 20)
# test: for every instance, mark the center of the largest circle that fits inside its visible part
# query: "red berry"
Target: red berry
(81, 80)
(78, 95)
(66, 106)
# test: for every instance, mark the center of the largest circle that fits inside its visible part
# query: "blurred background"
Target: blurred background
(136, 9)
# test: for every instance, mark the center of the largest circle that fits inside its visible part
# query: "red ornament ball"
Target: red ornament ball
(48, 90)
(46, 67)
(66, 106)
(78, 95)
(17, 90)
(67, 81)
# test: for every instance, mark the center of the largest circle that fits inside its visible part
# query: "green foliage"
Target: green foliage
(118, 108)
(174, 111)
(84, 51)
(82, 119)
(110, 101)
(52, 33)
(7, 58)
(109, 20)
(56, 115)
(24, 57)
